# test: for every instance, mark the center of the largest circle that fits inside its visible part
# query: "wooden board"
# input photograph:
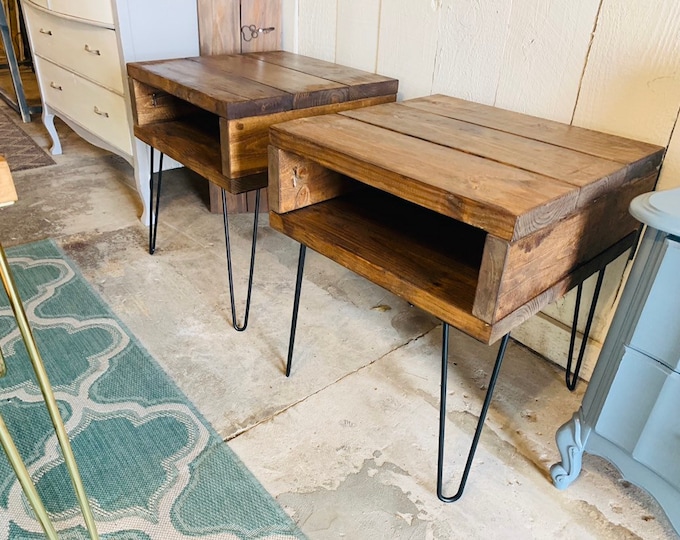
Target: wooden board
(8, 193)
(505, 201)
(219, 26)
(248, 137)
(218, 92)
(513, 272)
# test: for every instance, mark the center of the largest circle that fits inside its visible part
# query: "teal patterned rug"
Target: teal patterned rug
(153, 468)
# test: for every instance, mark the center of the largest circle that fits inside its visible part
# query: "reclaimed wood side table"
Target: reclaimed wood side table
(212, 114)
(477, 215)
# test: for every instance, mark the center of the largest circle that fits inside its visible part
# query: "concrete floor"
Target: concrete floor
(348, 443)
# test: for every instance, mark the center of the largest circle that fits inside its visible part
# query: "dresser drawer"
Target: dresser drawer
(89, 50)
(98, 110)
(94, 10)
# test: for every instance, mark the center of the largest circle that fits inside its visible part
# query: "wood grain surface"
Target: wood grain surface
(8, 193)
(547, 204)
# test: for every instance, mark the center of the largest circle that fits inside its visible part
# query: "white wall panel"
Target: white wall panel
(631, 85)
(289, 25)
(408, 43)
(357, 33)
(472, 37)
(670, 173)
(317, 23)
(545, 55)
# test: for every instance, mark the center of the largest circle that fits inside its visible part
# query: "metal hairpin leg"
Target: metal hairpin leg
(572, 379)
(480, 422)
(153, 215)
(296, 305)
(52, 409)
(225, 216)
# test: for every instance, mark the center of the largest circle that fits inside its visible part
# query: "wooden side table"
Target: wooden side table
(213, 113)
(477, 215)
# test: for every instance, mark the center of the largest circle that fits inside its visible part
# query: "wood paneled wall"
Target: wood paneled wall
(219, 27)
(611, 65)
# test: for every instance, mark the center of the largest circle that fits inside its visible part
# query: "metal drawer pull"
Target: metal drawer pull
(93, 51)
(100, 112)
(46, 32)
(55, 86)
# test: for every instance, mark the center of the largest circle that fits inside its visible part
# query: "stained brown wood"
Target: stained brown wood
(196, 146)
(248, 137)
(213, 90)
(302, 182)
(512, 272)
(538, 208)
(572, 167)
(505, 201)
(219, 26)
(263, 14)
(8, 193)
(361, 83)
(589, 142)
(400, 255)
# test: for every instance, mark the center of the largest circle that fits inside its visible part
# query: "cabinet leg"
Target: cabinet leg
(571, 442)
(48, 122)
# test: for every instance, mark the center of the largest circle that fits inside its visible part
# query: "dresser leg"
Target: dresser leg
(48, 122)
(480, 422)
(571, 442)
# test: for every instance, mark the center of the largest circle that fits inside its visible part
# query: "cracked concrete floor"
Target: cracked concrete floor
(348, 443)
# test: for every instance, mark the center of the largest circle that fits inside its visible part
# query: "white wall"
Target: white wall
(610, 65)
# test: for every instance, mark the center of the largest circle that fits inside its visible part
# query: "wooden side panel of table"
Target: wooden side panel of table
(538, 205)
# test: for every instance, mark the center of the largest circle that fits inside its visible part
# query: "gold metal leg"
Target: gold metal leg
(25, 480)
(50, 401)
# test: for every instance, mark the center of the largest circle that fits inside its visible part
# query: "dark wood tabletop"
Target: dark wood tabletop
(213, 113)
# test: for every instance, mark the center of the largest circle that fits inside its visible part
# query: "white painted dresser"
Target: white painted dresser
(80, 49)
(630, 412)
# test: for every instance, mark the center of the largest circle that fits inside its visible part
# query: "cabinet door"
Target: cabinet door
(658, 331)
(660, 440)
(220, 23)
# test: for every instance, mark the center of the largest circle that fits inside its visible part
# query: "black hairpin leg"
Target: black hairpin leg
(225, 217)
(154, 205)
(480, 422)
(571, 379)
(296, 305)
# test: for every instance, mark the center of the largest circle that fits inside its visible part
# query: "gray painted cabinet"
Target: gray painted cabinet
(630, 413)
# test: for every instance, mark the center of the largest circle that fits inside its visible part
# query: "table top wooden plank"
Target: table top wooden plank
(8, 193)
(238, 86)
(570, 166)
(307, 90)
(429, 260)
(584, 140)
(226, 95)
(505, 201)
(361, 83)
